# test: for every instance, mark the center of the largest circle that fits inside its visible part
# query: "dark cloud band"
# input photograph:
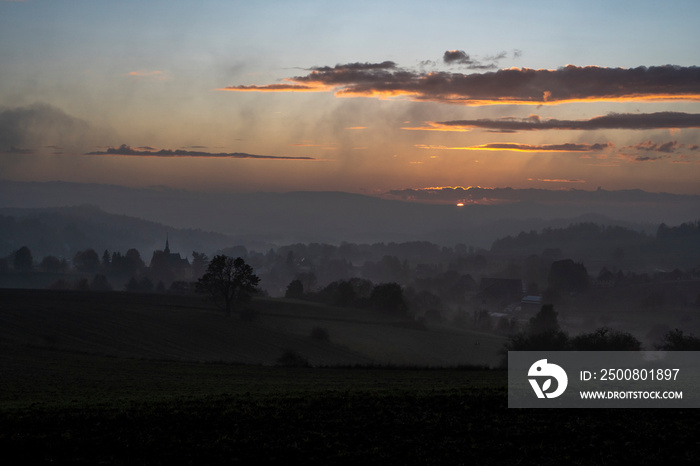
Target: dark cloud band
(508, 86)
(149, 152)
(638, 121)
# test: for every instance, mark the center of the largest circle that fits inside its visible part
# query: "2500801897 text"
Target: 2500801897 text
(631, 374)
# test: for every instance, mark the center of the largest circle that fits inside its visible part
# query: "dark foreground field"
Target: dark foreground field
(73, 408)
(63, 406)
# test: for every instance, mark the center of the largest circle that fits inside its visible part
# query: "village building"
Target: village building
(167, 266)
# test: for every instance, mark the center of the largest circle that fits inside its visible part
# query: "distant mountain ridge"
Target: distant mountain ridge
(261, 219)
(62, 231)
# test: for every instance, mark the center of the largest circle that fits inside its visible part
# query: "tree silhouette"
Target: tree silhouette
(388, 298)
(86, 261)
(543, 334)
(23, 260)
(295, 290)
(52, 264)
(545, 320)
(200, 261)
(228, 282)
(567, 275)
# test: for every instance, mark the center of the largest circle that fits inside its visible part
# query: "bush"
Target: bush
(549, 340)
(605, 339)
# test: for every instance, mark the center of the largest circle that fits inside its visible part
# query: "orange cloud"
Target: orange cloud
(555, 180)
(567, 147)
(433, 126)
(156, 74)
(508, 86)
(633, 121)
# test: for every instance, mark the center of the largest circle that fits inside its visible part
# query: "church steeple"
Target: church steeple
(167, 245)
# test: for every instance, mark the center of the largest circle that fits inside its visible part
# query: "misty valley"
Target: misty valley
(114, 351)
(595, 276)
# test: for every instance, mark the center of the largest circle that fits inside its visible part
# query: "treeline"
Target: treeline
(356, 292)
(88, 270)
(543, 333)
(587, 231)
(329, 272)
(690, 230)
(620, 247)
(87, 261)
(414, 308)
(580, 232)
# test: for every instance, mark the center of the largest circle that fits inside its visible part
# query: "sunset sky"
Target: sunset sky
(363, 96)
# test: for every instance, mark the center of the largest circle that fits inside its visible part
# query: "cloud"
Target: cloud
(649, 146)
(650, 151)
(305, 144)
(642, 158)
(506, 86)
(40, 125)
(17, 150)
(550, 180)
(460, 57)
(126, 150)
(634, 121)
(326, 78)
(276, 88)
(567, 147)
(155, 74)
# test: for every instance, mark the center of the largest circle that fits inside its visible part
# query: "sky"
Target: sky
(366, 97)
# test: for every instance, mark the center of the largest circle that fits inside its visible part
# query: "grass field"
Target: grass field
(186, 328)
(73, 393)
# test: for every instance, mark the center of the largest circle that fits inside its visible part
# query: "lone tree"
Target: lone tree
(228, 282)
